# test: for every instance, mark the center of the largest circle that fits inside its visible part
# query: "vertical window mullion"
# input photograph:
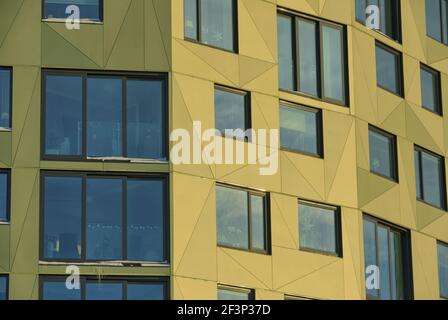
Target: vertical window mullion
(199, 19)
(295, 25)
(84, 116)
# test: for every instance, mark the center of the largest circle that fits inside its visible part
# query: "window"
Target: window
(430, 82)
(233, 293)
(389, 69)
(383, 153)
(389, 19)
(319, 228)
(5, 195)
(312, 58)
(430, 178)
(232, 110)
(54, 288)
(387, 248)
(212, 22)
(442, 250)
(5, 97)
(91, 116)
(301, 129)
(89, 10)
(242, 219)
(3, 287)
(104, 218)
(437, 20)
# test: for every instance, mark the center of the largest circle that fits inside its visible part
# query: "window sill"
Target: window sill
(303, 153)
(431, 205)
(259, 252)
(104, 160)
(324, 253)
(210, 46)
(5, 223)
(399, 95)
(64, 20)
(304, 95)
(5, 129)
(394, 180)
(432, 112)
(105, 264)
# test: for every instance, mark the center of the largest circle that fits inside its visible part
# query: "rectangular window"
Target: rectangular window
(232, 111)
(430, 178)
(91, 116)
(5, 195)
(54, 288)
(389, 70)
(3, 287)
(383, 153)
(242, 219)
(437, 20)
(442, 250)
(301, 129)
(390, 20)
(312, 58)
(212, 22)
(233, 293)
(104, 218)
(387, 249)
(89, 10)
(319, 228)
(430, 83)
(5, 97)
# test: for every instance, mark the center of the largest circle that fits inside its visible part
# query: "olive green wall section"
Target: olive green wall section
(135, 36)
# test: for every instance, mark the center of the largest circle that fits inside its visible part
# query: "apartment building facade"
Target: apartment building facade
(357, 208)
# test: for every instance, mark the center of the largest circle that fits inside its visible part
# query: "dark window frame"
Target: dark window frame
(198, 39)
(247, 106)
(406, 253)
(101, 175)
(319, 128)
(266, 216)
(399, 76)
(397, 25)
(338, 228)
(87, 21)
(6, 277)
(124, 280)
(250, 292)
(443, 188)
(7, 172)
(11, 91)
(443, 244)
(438, 88)
(444, 38)
(394, 153)
(124, 76)
(319, 22)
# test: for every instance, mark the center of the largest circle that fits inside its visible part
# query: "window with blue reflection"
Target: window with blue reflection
(104, 290)
(146, 291)
(388, 70)
(442, 250)
(3, 287)
(308, 56)
(333, 63)
(430, 85)
(104, 210)
(234, 294)
(90, 10)
(63, 217)
(382, 153)
(231, 110)
(104, 117)
(5, 98)
(437, 20)
(319, 228)
(63, 115)
(115, 289)
(215, 25)
(57, 290)
(125, 116)
(286, 58)
(4, 196)
(145, 218)
(145, 117)
(300, 129)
